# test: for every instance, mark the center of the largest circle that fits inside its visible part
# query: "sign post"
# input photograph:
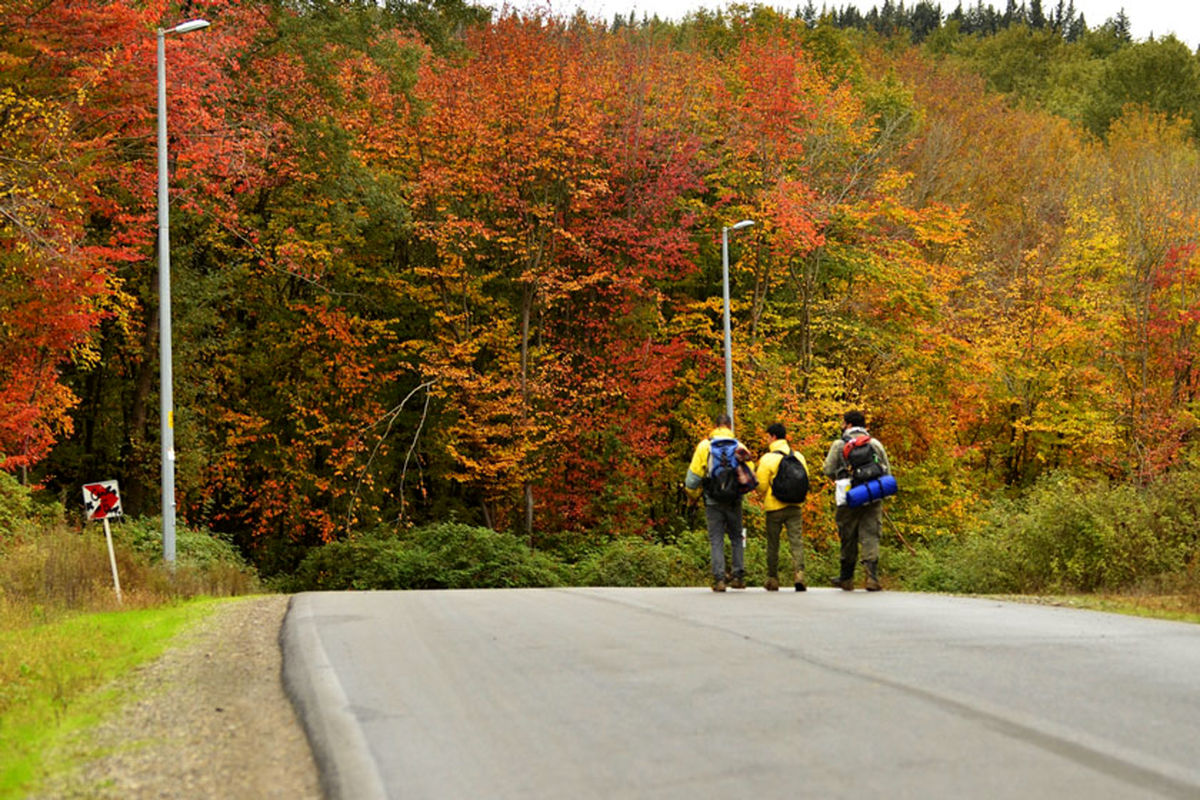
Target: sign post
(103, 500)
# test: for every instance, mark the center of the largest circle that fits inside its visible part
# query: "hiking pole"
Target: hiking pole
(900, 535)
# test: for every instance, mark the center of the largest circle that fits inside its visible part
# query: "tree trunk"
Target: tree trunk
(135, 466)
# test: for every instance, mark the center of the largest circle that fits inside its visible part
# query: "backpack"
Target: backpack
(862, 460)
(790, 484)
(728, 479)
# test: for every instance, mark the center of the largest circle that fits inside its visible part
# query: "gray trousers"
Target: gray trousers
(792, 518)
(855, 526)
(724, 520)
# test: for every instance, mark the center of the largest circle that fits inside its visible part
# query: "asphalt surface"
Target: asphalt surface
(683, 693)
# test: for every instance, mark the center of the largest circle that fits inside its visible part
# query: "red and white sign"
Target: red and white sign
(102, 500)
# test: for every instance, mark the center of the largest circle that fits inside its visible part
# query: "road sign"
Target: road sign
(102, 500)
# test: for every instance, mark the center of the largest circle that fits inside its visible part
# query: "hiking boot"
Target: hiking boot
(772, 584)
(800, 585)
(872, 583)
(719, 586)
(738, 583)
(845, 584)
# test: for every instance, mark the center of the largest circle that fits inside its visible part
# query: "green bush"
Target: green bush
(631, 561)
(20, 512)
(1174, 504)
(196, 547)
(449, 555)
(206, 563)
(362, 562)
(1069, 535)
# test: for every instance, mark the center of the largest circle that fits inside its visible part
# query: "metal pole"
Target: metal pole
(728, 338)
(166, 409)
(112, 560)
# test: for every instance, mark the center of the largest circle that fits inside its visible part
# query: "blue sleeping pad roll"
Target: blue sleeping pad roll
(871, 491)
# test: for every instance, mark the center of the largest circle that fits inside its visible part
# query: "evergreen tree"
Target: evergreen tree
(1012, 14)
(925, 19)
(851, 17)
(1037, 19)
(809, 14)
(1120, 26)
(1075, 27)
(981, 19)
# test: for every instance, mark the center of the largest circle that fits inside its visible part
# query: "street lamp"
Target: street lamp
(746, 223)
(166, 411)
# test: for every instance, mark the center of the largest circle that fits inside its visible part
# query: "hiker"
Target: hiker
(783, 484)
(722, 471)
(855, 458)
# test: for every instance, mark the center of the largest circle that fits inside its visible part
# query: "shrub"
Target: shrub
(20, 511)
(362, 562)
(448, 555)
(632, 561)
(196, 547)
(1069, 535)
(206, 563)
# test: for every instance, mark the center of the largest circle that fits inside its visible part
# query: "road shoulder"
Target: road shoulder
(211, 720)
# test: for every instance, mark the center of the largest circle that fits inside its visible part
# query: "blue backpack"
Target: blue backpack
(728, 479)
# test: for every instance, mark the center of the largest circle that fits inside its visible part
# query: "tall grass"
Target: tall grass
(49, 572)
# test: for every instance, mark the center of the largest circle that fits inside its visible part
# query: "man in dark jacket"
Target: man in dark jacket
(859, 525)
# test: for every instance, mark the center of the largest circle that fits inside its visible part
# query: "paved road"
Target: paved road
(682, 693)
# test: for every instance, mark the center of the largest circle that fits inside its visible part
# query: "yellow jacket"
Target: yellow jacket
(768, 466)
(698, 468)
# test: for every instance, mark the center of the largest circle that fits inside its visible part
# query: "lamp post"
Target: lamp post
(166, 410)
(746, 223)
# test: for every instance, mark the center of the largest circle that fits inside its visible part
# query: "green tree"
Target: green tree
(1161, 75)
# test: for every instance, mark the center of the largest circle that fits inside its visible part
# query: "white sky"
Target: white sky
(1157, 17)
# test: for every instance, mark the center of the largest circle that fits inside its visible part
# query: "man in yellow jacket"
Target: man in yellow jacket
(781, 513)
(722, 514)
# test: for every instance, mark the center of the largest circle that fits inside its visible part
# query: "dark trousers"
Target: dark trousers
(792, 518)
(725, 520)
(857, 526)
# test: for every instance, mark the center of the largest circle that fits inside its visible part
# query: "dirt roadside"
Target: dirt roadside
(211, 721)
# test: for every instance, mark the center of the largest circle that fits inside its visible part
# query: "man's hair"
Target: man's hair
(723, 421)
(855, 419)
(777, 430)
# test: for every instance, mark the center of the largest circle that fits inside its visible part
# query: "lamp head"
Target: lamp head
(189, 26)
(746, 223)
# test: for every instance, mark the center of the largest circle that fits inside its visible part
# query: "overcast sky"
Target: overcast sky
(1157, 17)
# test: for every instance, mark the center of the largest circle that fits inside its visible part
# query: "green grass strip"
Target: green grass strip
(61, 677)
(1176, 608)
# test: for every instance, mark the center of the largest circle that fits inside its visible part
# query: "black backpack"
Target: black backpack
(728, 479)
(790, 484)
(862, 460)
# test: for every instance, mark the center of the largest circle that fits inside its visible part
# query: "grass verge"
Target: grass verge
(1177, 608)
(59, 677)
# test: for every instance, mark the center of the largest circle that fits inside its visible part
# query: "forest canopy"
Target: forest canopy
(434, 263)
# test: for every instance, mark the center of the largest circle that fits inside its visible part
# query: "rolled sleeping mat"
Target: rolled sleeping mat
(871, 491)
